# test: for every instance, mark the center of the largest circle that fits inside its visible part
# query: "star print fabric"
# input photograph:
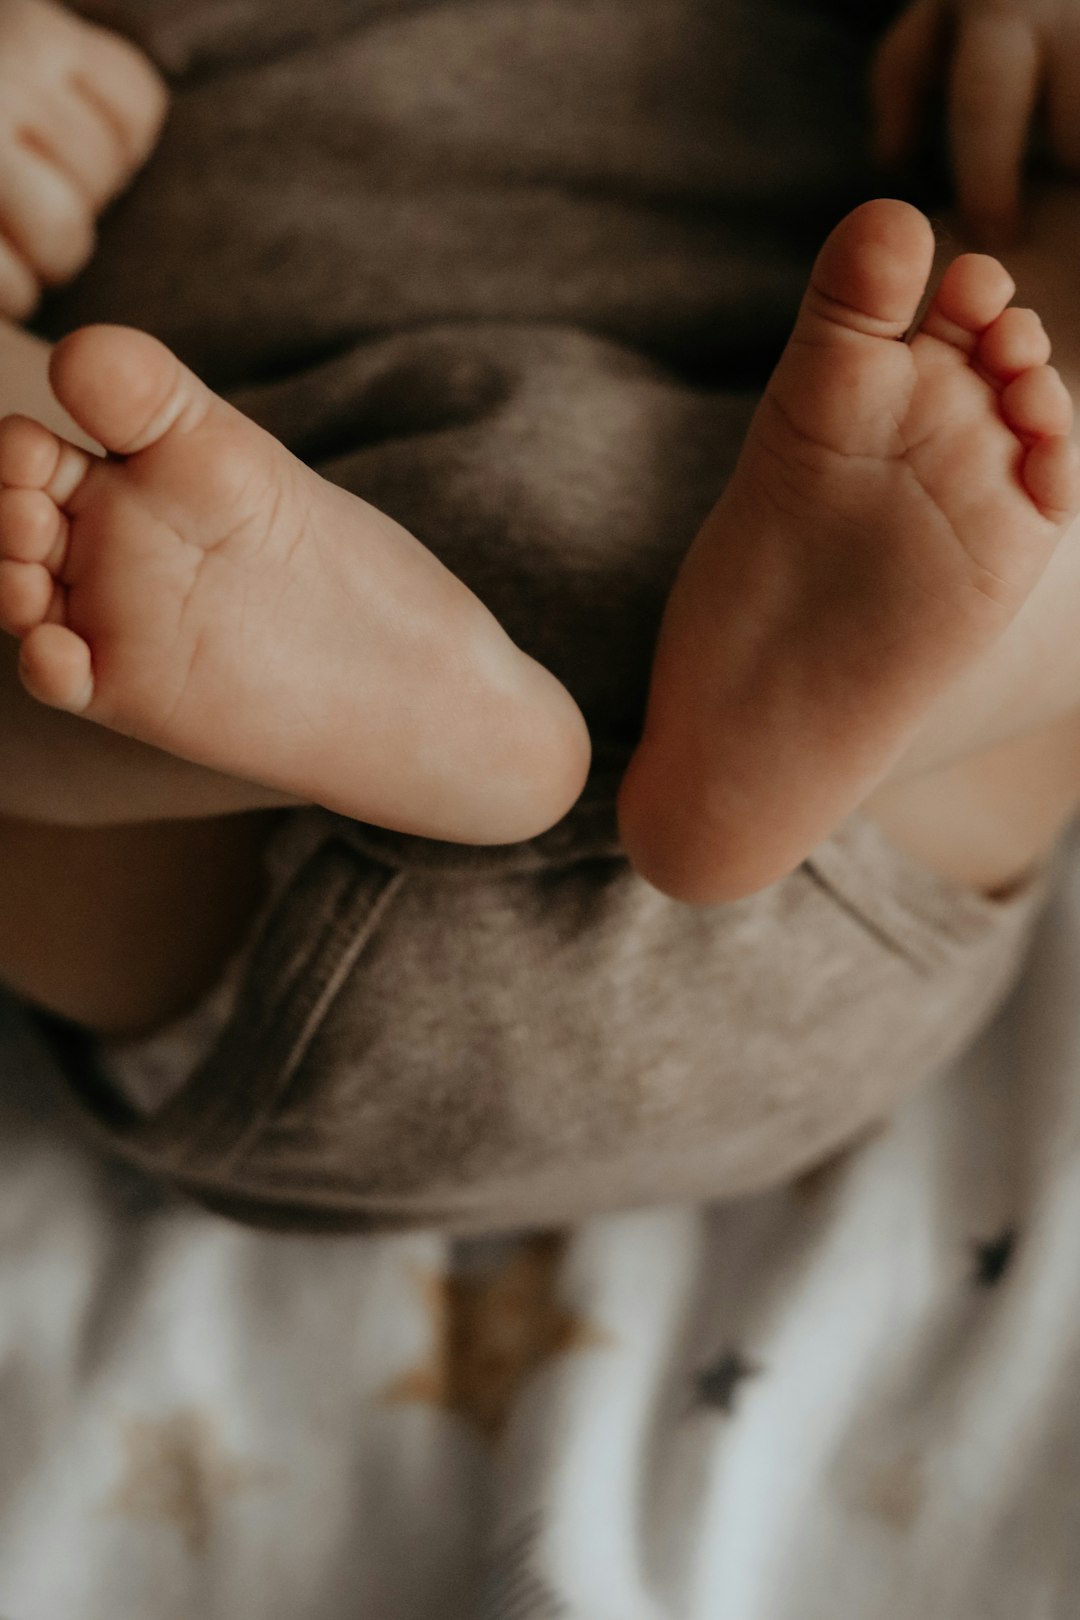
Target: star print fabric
(852, 1398)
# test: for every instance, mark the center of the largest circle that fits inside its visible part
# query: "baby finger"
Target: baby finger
(43, 215)
(19, 287)
(994, 86)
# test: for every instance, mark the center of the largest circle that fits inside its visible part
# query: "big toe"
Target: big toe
(872, 271)
(123, 387)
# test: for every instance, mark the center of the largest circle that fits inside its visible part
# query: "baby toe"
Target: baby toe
(973, 292)
(55, 667)
(1051, 474)
(871, 273)
(28, 453)
(1015, 342)
(26, 594)
(123, 387)
(1037, 405)
(72, 465)
(31, 528)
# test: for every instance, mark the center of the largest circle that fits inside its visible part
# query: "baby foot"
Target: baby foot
(893, 506)
(202, 590)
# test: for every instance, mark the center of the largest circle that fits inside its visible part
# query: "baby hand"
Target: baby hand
(999, 60)
(80, 110)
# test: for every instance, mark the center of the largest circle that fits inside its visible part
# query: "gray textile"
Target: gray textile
(513, 270)
(526, 1047)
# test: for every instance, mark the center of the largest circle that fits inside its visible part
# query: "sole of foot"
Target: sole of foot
(897, 498)
(200, 589)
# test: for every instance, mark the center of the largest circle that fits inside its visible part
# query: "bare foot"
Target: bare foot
(892, 508)
(205, 592)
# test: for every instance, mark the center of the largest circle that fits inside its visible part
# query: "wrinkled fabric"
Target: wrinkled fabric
(537, 1057)
(851, 1398)
(515, 271)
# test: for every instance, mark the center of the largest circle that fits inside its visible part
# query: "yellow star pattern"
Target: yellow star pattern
(489, 1333)
(179, 1472)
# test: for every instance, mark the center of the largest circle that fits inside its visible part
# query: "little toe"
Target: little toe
(29, 453)
(32, 528)
(871, 273)
(26, 595)
(55, 668)
(1015, 342)
(124, 388)
(973, 292)
(1051, 475)
(1037, 404)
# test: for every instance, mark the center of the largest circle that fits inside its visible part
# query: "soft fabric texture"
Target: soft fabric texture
(853, 1398)
(514, 271)
(407, 1046)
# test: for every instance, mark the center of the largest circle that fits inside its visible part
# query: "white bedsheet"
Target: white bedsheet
(853, 1399)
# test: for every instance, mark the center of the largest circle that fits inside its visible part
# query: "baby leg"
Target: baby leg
(893, 508)
(58, 769)
(201, 590)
